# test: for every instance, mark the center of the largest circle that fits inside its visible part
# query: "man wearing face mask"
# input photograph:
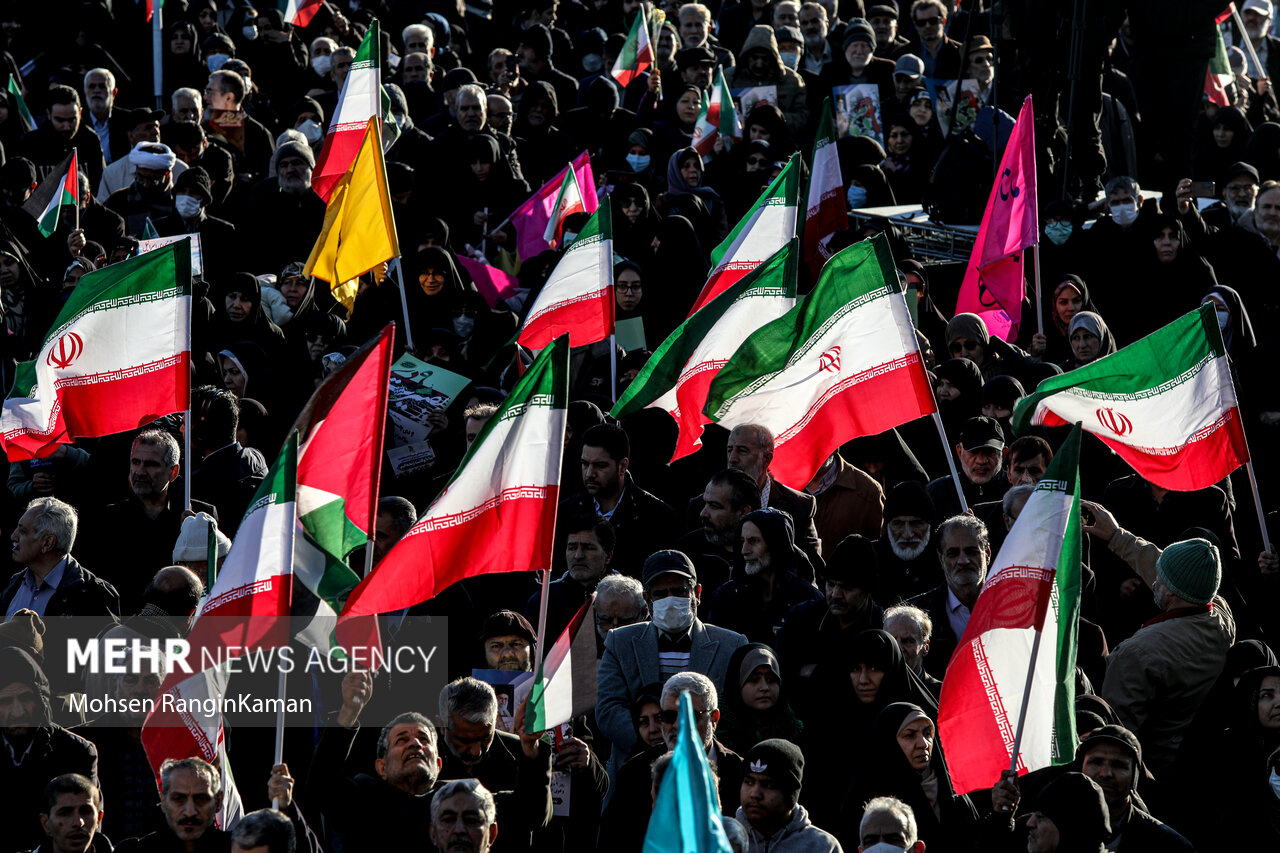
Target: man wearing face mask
(192, 195)
(761, 65)
(150, 196)
(1113, 241)
(651, 652)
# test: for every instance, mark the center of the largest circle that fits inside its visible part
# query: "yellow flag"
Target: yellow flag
(359, 230)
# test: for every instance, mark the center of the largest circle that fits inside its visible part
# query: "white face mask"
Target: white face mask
(791, 60)
(250, 32)
(1224, 319)
(216, 60)
(883, 847)
(311, 130)
(673, 614)
(1125, 214)
(321, 64)
(1275, 783)
(188, 206)
(464, 326)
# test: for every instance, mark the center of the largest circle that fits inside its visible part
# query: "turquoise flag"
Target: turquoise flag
(685, 816)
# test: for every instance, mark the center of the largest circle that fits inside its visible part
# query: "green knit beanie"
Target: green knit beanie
(1190, 570)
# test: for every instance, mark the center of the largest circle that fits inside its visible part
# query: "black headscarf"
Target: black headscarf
(256, 327)
(741, 727)
(18, 667)
(1238, 335)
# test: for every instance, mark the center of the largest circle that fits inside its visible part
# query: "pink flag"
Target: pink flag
(993, 282)
(530, 219)
(493, 283)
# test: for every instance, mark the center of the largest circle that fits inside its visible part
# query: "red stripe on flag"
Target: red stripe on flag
(867, 403)
(691, 397)
(586, 320)
(340, 149)
(1210, 455)
(971, 695)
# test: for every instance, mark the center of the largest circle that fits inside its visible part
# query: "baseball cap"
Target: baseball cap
(909, 65)
(981, 432)
(667, 563)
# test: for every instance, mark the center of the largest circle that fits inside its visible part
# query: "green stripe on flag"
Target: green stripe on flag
(783, 190)
(1064, 470)
(28, 121)
(1152, 365)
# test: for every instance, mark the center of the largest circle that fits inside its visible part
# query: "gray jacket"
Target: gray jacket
(798, 836)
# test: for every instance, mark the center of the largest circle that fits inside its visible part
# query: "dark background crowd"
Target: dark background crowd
(810, 627)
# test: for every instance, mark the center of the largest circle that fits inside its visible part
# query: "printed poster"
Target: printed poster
(748, 97)
(858, 111)
(944, 94)
(418, 390)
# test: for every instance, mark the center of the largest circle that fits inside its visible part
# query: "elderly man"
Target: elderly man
(770, 795)
(140, 125)
(100, 97)
(913, 629)
(907, 564)
(54, 584)
(470, 117)
(1070, 816)
(464, 816)
(33, 749)
(627, 814)
(619, 602)
(149, 197)
(588, 551)
(50, 143)
(849, 501)
(1157, 679)
(72, 816)
(694, 21)
(888, 824)
(264, 831)
(980, 451)
(286, 208)
(248, 140)
(642, 522)
(651, 652)
(750, 450)
(153, 513)
(190, 799)
(964, 551)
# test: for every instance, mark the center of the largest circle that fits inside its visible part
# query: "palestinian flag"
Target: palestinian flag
(339, 463)
(247, 610)
(498, 512)
(568, 202)
(62, 186)
(1219, 76)
(1165, 404)
(565, 685)
(826, 211)
(636, 56)
(765, 229)
(679, 373)
(717, 118)
(299, 12)
(578, 297)
(117, 357)
(28, 121)
(1027, 615)
(842, 363)
(359, 100)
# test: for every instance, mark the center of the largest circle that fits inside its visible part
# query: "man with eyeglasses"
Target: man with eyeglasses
(980, 450)
(627, 815)
(982, 66)
(674, 640)
(940, 53)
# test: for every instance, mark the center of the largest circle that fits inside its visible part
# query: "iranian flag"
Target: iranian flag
(716, 118)
(826, 212)
(498, 512)
(1166, 404)
(765, 229)
(299, 12)
(679, 373)
(339, 464)
(564, 686)
(568, 202)
(636, 56)
(530, 219)
(359, 101)
(1219, 75)
(62, 186)
(842, 363)
(116, 358)
(1027, 616)
(246, 610)
(578, 297)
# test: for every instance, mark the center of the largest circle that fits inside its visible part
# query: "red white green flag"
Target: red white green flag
(116, 358)
(826, 212)
(568, 202)
(1026, 616)
(1166, 404)
(359, 101)
(716, 118)
(62, 186)
(578, 297)
(677, 376)
(842, 363)
(299, 12)
(765, 229)
(1219, 75)
(497, 513)
(636, 56)
(565, 685)
(15, 89)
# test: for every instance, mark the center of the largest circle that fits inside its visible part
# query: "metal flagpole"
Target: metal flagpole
(1257, 504)
(157, 54)
(951, 462)
(1026, 698)
(1039, 308)
(613, 367)
(404, 305)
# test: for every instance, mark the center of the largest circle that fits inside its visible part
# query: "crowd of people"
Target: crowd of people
(811, 628)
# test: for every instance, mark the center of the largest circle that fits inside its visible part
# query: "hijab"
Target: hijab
(1096, 326)
(676, 182)
(742, 727)
(1237, 335)
(256, 326)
